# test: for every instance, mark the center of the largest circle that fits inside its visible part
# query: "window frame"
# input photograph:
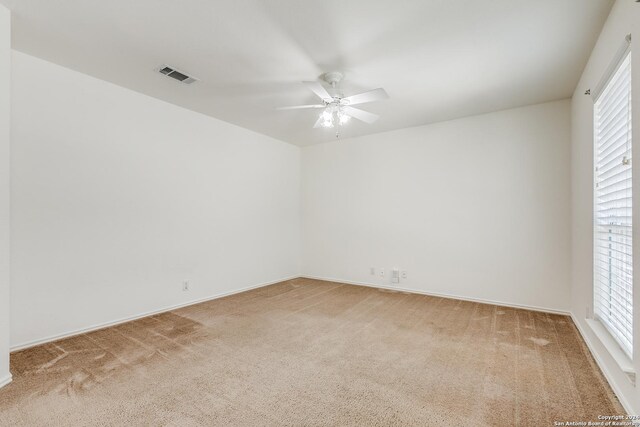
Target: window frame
(620, 59)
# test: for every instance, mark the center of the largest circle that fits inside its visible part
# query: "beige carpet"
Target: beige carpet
(311, 353)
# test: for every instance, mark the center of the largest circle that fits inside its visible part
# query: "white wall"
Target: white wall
(623, 19)
(5, 103)
(118, 197)
(476, 208)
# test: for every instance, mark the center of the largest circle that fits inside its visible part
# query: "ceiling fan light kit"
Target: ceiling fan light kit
(332, 115)
(337, 109)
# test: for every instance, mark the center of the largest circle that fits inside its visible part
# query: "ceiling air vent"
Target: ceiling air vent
(175, 74)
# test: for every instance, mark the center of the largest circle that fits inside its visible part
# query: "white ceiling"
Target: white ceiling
(437, 59)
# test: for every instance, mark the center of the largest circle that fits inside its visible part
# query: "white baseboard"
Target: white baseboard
(603, 367)
(5, 380)
(28, 344)
(442, 295)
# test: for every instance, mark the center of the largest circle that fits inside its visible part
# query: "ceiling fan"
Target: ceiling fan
(338, 109)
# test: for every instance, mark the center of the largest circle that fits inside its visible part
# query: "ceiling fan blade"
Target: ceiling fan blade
(359, 114)
(301, 107)
(319, 90)
(318, 122)
(370, 96)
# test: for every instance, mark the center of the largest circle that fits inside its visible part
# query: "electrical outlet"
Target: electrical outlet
(185, 285)
(382, 272)
(372, 271)
(404, 274)
(395, 275)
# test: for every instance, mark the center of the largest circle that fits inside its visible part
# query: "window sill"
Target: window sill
(621, 359)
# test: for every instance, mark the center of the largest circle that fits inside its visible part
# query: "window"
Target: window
(613, 267)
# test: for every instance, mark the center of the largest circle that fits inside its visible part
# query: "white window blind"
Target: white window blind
(613, 266)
